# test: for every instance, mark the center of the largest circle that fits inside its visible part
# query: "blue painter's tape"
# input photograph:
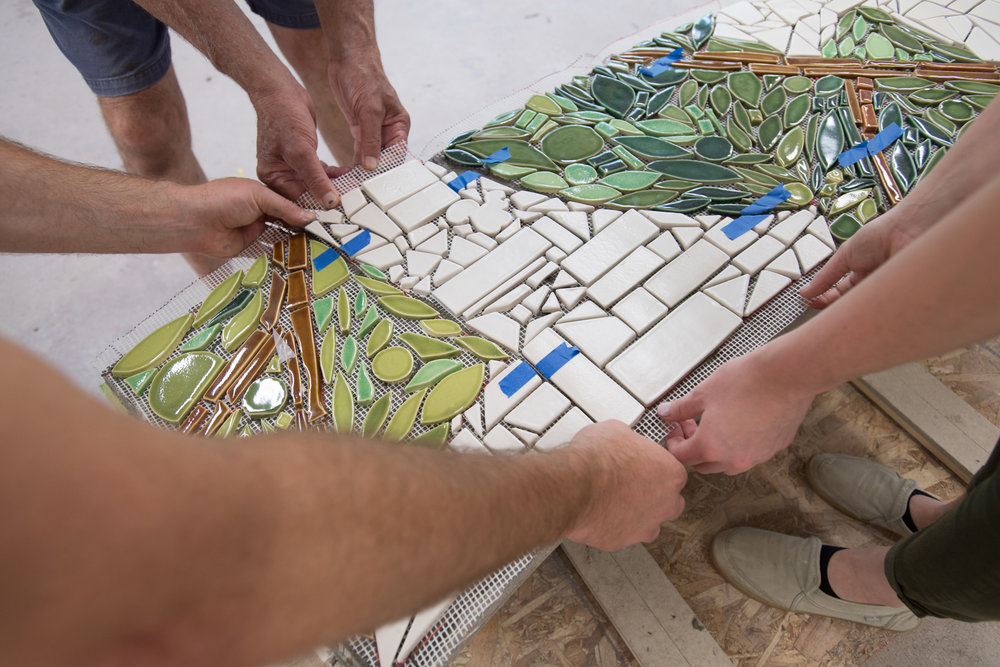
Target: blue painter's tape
(325, 259)
(555, 360)
(755, 213)
(463, 180)
(517, 378)
(501, 155)
(873, 146)
(357, 244)
(661, 64)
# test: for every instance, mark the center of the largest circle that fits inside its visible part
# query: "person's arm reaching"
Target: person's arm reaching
(936, 294)
(965, 168)
(54, 206)
(286, 123)
(358, 81)
(126, 544)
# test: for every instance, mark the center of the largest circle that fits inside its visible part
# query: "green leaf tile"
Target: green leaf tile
(888, 115)
(796, 85)
(255, 275)
(902, 83)
(829, 85)
(714, 149)
(407, 307)
(663, 127)
(371, 319)
(217, 299)
(954, 52)
(642, 199)
(364, 389)
(875, 15)
(625, 127)
(845, 24)
(769, 131)
(580, 174)
(707, 76)
(327, 354)
(377, 287)
(974, 87)
(202, 340)
(433, 372)
(628, 181)
(878, 47)
(866, 210)
(929, 130)
(738, 137)
(773, 102)
(795, 111)
(845, 48)
(402, 422)
(593, 193)
(615, 96)
(360, 303)
(342, 405)
(522, 154)
(901, 165)
(376, 416)
(435, 438)
(685, 205)
(235, 306)
(930, 96)
(374, 272)
(482, 348)
(801, 194)
(393, 364)
(687, 92)
(140, 381)
(323, 312)
(844, 227)
(440, 328)
(510, 171)
(859, 29)
(180, 384)
(428, 348)
(717, 194)
(957, 111)
(746, 87)
(652, 147)
(544, 181)
(668, 77)
(695, 170)
(941, 121)
(349, 355)
(572, 143)
(702, 30)
(230, 425)
(543, 104)
(453, 395)
(463, 157)
(343, 311)
(379, 338)
(790, 147)
(243, 323)
(721, 99)
(829, 141)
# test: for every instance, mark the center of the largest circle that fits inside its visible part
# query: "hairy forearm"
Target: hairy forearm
(348, 27)
(937, 294)
(129, 543)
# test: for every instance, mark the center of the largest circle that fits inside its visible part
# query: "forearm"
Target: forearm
(937, 294)
(348, 28)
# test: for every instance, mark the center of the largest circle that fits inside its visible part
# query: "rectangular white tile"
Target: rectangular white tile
(502, 289)
(586, 385)
(539, 410)
(539, 276)
(564, 430)
(624, 276)
(610, 246)
(488, 272)
(423, 206)
(639, 310)
(600, 338)
(683, 275)
(399, 183)
(671, 349)
(512, 298)
(560, 237)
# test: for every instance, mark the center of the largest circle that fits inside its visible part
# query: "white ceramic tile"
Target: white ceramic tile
(560, 237)
(409, 282)
(821, 230)
(791, 227)
(670, 350)
(343, 229)
(474, 418)
(330, 217)
(551, 304)
(501, 441)
(768, 285)
(423, 621)
(445, 271)
(437, 244)
(730, 31)
(421, 264)
(499, 328)
(535, 326)
(399, 183)
(525, 200)
(533, 302)
(639, 310)
(810, 251)
(578, 206)
(742, 13)
(318, 230)
(482, 240)
(521, 314)
(539, 410)
(617, 240)
(422, 233)
(464, 252)
(423, 287)
(982, 43)
(388, 638)
(732, 294)
(708, 221)
(564, 430)
(463, 230)
(668, 220)
(539, 276)
(466, 443)
(503, 288)
(800, 45)
(684, 274)
(396, 273)
(382, 258)
(665, 245)
(730, 246)
(789, 12)
(436, 169)
(496, 404)
(570, 296)
(525, 436)
(625, 276)
(495, 367)
(574, 221)
(460, 212)
(373, 219)
(687, 236)
(600, 338)
(564, 279)
(786, 264)
(401, 244)
(489, 185)
(927, 10)
(555, 255)
(374, 240)
(585, 384)
(512, 228)
(527, 216)
(754, 258)
(966, 6)
(727, 273)
(514, 297)
(585, 311)
(423, 206)
(471, 193)
(603, 217)
(549, 205)
(489, 220)
(353, 201)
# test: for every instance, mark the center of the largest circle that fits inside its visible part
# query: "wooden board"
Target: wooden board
(933, 415)
(648, 612)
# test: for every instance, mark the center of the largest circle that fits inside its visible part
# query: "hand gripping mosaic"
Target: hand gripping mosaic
(602, 247)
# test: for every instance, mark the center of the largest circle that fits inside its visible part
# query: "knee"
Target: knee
(152, 141)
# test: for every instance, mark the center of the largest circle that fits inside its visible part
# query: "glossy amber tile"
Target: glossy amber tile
(765, 68)
(937, 75)
(221, 414)
(865, 95)
(194, 421)
(278, 254)
(235, 365)
(852, 101)
(302, 325)
(298, 293)
(274, 300)
(253, 370)
(869, 119)
(849, 73)
(708, 64)
(819, 60)
(297, 252)
(865, 83)
(885, 177)
(296, 369)
(957, 67)
(739, 56)
(301, 420)
(900, 65)
(647, 52)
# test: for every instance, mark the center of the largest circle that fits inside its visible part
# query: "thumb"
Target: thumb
(828, 276)
(681, 409)
(273, 205)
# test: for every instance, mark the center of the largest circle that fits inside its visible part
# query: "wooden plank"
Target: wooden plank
(648, 612)
(930, 412)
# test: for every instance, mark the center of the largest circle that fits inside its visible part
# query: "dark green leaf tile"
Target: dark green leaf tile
(979, 101)
(685, 205)
(668, 77)
(674, 184)
(752, 176)
(773, 102)
(929, 130)
(714, 149)
(942, 121)
(658, 101)
(749, 158)
(642, 199)
(615, 96)
(844, 227)
(740, 139)
(904, 170)
(905, 84)
(829, 141)
(796, 110)
(930, 96)
(954, 52)
(888, 115)
(716, 194)
(731, 210)
(702, 30)
(845, 24)
(974, 87)
(695, 170)
(707, 75)
(663, 127)
(522, 154)
(746, 87)
(652, 147)
(462, 157)
(721, 99)
(829, 85)
(629, 181)
(687, 92)
(875, 15)
(769, 131)
(957, 111)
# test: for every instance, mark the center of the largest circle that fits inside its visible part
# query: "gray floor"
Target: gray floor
(448, 60)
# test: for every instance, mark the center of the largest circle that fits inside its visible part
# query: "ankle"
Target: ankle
(925, 509)
(857, 575)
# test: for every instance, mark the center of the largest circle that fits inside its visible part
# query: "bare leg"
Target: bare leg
(306, 51)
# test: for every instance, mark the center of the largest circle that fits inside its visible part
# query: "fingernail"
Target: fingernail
(371, 164)
(307, 216)
(663, 409)
(332, 201)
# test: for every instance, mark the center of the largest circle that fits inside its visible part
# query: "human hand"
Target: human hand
(747, 415)
(370, 105)
(286, 147)
(636, 486)
(862, 254)
(222, 217)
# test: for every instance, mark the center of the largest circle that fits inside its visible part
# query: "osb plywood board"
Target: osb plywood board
(973, 373)
(776, 496)
(550, 620)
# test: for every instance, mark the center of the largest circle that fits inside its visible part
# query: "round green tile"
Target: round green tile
(844, 227)
(265, 397)
(957, 111)
(629, 181)
(714, 149)
(592, 193)
(393, 364)
(571, 143)
(580, 174)
(180, 384)
(544, 181)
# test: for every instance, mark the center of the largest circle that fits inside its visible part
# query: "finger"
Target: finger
(337, 172)
(273, 205)
(712, 468)
(688, 427)
(284, 183)
(680, 409)
(686, 450)
(828, 276)
(368, 143)
(310, 171)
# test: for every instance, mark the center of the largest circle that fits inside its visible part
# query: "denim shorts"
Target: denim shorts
(119, 48)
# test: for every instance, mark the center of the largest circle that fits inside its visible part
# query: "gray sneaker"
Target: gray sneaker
(862, 489)
(783, 571)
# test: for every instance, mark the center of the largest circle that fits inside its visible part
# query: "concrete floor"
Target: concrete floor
(448, 60)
